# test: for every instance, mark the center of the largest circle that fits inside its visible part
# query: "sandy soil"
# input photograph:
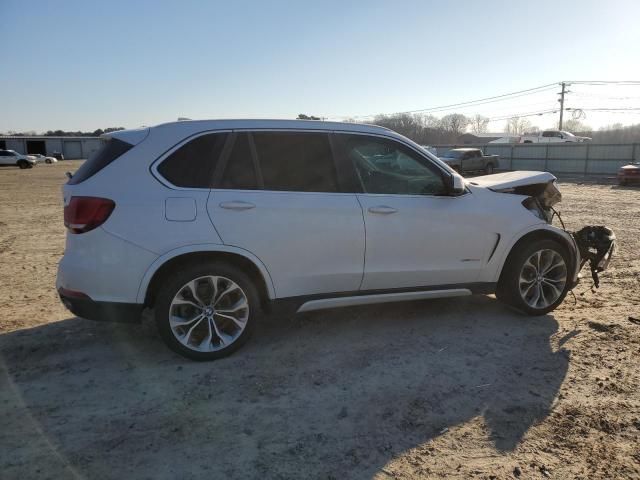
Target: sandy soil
(435, 389)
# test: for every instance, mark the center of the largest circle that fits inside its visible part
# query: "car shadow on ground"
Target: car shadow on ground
(330, 394)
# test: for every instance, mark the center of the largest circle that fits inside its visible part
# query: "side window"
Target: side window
(239, 172)
(296, 161)
(385, 166)
(192, 165)
(549, 134)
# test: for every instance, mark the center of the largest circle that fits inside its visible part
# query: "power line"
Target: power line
(480, 101)
(603, 82)
(509, 96)
(522, 115)
(607, 109)
(588, 95)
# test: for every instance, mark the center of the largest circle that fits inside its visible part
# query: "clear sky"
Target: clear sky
(82, 65)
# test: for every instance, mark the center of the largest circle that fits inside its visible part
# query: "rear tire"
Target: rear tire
(198, 290)
(489, 169)
(535, 278)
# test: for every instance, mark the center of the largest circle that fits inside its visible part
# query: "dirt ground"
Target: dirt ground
(432, 389)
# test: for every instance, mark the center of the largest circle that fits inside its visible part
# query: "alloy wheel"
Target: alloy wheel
(208, 313)
(543, 278)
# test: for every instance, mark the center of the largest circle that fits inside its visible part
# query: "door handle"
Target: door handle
(237, 205)
(383, 209)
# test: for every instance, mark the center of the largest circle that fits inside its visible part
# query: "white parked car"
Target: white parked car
(11, 157)
(39, 158)
(552, 136)
(212, 223)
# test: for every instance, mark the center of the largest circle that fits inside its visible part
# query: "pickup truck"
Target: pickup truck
(470, 160)
(552, 136)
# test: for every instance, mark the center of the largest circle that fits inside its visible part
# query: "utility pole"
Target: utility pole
(561, 104)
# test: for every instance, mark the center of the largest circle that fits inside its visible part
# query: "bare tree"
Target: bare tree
(454, 123)
(576, 126)
(478, 123)
(617, 133)
(429, 121)
(517, 126)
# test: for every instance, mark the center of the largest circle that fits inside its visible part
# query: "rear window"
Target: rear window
(110, 150)
(192, 165)
(295, 161)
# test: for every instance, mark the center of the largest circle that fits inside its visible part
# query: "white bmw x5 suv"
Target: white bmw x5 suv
(212, 223)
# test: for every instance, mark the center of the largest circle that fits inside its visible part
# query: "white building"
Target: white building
(71, 147)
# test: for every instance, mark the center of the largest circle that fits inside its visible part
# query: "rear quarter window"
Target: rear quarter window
(110, 151)
(192, 165)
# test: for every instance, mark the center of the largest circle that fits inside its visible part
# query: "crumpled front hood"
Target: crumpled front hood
(509, 180)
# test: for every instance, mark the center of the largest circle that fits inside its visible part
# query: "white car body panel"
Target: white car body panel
(311, 242)
(109, 268)
(301, 243)
(418, 245)
(508, 180)
(198, 248)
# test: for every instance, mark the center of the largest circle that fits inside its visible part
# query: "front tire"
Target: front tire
(536, 278)
(489, 169)
(23, 164)
(207, 311)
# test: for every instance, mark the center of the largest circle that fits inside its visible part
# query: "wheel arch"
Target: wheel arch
(243, 259)
(544, 234)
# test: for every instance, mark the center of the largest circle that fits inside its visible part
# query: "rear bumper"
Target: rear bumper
(103, 266)
(85, 307)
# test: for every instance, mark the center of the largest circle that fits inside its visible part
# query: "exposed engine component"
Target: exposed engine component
(596, 245)
(542, 198)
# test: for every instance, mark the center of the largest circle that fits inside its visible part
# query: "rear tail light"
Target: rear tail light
(83, 214)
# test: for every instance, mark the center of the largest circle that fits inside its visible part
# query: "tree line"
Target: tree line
(431, 130)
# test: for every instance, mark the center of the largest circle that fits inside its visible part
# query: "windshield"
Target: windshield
(568, 134)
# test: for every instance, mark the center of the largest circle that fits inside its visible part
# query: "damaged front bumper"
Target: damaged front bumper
(592, 244)
(596, 245)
